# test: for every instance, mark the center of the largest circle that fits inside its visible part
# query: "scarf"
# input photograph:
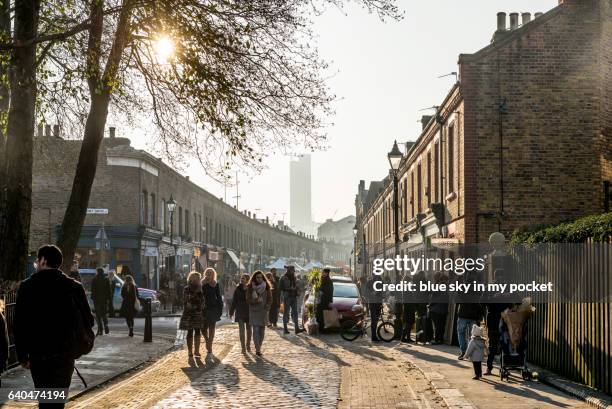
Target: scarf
(258, 290)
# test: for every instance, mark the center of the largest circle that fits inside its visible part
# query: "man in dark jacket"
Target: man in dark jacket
(101, 296)
(45, 321)
(273, 315)
(374, 299)
(327, 298)
(289, 293)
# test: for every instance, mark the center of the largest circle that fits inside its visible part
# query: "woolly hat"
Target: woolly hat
(476, 331)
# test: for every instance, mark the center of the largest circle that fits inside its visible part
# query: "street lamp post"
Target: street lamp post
(171, 205)
(395, 158)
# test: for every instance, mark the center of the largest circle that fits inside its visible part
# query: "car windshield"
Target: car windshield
(345, 290)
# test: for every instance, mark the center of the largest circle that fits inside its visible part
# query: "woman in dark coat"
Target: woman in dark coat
(240, 310)
(213, 306)
(259, 297)
(129, 294)
(192, 319)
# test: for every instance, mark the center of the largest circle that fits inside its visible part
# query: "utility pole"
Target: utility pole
(237, 194)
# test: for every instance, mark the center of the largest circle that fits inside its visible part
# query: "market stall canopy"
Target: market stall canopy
(312, 265)
(235, 260)
(278, 264)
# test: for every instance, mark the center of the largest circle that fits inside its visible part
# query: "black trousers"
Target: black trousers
(408, 320)
(52, 373)
(273, 314)
(477, 368)
(101, 317)
(439, 323)
(493, 348)
(375, 310)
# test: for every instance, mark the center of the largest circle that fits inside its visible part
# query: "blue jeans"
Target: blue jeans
(290, 309)
(464, 328)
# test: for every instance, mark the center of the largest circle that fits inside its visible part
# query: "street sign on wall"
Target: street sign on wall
(97, 211)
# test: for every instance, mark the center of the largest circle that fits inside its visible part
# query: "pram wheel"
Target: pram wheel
(503, 373)
(526, 374)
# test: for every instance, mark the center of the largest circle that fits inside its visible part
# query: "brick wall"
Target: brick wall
(549, 74)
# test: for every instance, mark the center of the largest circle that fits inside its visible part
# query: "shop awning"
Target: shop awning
(235, 259)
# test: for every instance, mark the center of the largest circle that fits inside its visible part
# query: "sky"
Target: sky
(385, 73)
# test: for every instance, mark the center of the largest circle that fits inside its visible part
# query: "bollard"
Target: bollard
(148, 329)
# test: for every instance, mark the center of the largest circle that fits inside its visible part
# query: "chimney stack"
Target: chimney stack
(514, 21)
(111, 132)
(41, 128)
(425, 120)
(501, 21)
(526, 18)
(48, 131)
(56, 130)
(538, 14)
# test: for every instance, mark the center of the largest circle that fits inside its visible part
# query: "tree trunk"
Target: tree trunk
(100, 89)
(14, 236)
(5, 32)
(83, 178)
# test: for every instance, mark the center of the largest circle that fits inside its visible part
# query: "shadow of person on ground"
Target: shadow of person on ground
(523, 389)
(284, 380)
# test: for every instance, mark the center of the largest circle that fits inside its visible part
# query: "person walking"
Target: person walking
(468, 315)
(374, 300)
(274, 308)
(213, 306)
(74, 271)
(228, 293)
(101, 296)
(192, 319)
(326, 299)
(476, 351)
(240, 311)
(111, 284)
(130, 302)
(259, 298)
(53, 323)
(289, 294)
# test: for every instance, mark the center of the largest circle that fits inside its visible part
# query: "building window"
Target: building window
(411, 194)
(162, 216)
(153, 218)
(187, 223)
(428, 189)
(144, 207)
(436, 173)
(180, 222)
(419, 188)
(451, 159)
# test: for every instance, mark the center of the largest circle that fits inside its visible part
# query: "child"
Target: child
(476, 351)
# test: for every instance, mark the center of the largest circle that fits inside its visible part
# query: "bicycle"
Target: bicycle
(351, 330)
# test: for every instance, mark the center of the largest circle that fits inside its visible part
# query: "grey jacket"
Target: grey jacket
(476, 349)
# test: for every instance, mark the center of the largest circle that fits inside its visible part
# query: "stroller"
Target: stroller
(511, 359)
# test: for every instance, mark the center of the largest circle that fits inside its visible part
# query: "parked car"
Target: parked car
(341, 279)
(87, 275)
(347, 301)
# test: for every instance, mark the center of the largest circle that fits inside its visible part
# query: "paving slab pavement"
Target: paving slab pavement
(452, 380)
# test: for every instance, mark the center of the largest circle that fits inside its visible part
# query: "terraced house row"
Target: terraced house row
(523, 138)
(129, 200)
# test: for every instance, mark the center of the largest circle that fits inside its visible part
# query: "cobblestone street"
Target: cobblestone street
(316, 372)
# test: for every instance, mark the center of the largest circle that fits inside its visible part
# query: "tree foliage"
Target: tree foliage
(597, 228)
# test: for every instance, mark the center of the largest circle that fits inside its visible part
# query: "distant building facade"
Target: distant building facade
(300, 195)
(129, 200)
(523, 138)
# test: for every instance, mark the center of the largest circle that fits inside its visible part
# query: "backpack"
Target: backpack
(82, 336)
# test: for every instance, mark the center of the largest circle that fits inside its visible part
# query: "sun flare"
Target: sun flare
(164, 48)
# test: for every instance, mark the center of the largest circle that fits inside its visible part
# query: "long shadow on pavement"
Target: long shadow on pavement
(283, 379)
(523, 390)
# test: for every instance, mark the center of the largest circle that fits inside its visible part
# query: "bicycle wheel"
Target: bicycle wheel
(386, 331)
(351, 330)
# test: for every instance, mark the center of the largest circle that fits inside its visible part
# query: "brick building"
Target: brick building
(523, 138)
(129, 199)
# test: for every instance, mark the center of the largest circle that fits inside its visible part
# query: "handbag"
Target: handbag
(137, 304)
(331, 319)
